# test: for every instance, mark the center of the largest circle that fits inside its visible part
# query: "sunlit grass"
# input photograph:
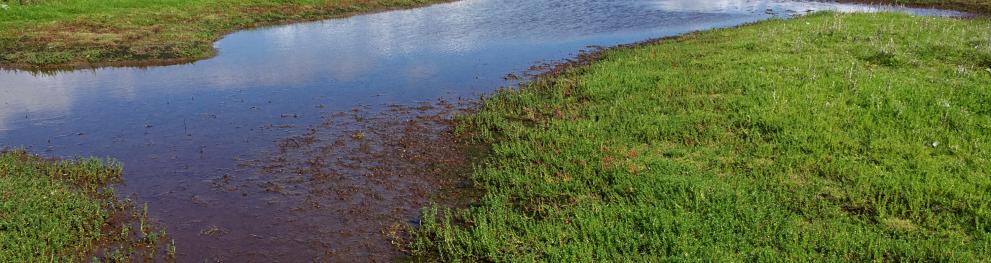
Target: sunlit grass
(837, 137)
(977, 6)
(62, 210)
(47, 206)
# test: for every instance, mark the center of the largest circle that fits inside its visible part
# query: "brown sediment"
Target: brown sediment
(143, 240)
(587, 56)
(361, 177)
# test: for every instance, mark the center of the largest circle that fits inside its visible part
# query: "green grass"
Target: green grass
(82, 33)
(976, 6)
(831, 137)
(49, 208)
(58, 210)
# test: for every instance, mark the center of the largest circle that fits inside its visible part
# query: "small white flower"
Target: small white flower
(946, 104)
(935, 144)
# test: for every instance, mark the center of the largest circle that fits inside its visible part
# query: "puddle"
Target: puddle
(239, 156)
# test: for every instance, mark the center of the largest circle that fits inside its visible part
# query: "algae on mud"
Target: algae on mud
(830, 137)
(56, 34)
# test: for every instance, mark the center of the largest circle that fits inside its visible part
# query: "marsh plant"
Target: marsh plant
(66, 210)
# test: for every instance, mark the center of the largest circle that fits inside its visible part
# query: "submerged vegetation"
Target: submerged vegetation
(836, 137)
(64, 210)
(82, 33)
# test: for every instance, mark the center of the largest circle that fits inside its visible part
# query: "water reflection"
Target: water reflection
(177, 126)
(380, 46)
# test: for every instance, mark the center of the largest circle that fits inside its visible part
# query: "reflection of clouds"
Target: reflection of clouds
(23, 93)
(284, 36)
(406, 46)
(126, 85)
(709, 6)
(421, 71)
(348, 67)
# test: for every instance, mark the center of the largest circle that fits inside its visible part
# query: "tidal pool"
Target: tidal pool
(191, 136)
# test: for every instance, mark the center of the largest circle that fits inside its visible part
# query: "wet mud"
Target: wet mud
(351, 185)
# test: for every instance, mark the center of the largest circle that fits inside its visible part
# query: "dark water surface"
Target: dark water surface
(184, 132)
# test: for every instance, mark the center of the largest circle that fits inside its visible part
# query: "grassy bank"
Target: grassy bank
(830, 137)
(63, 211)
(84, 33)
(975, 6)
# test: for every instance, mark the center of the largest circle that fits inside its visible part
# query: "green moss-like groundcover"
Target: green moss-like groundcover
(52, 211)
(831, 137)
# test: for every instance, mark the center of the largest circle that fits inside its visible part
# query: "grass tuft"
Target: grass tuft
(883, 58)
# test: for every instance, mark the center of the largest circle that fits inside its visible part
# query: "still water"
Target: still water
(180, 129)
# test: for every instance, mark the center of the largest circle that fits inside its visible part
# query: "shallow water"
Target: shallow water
(181, 129)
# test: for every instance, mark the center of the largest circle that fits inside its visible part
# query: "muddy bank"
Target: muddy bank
(354, 183)
(182, 34)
